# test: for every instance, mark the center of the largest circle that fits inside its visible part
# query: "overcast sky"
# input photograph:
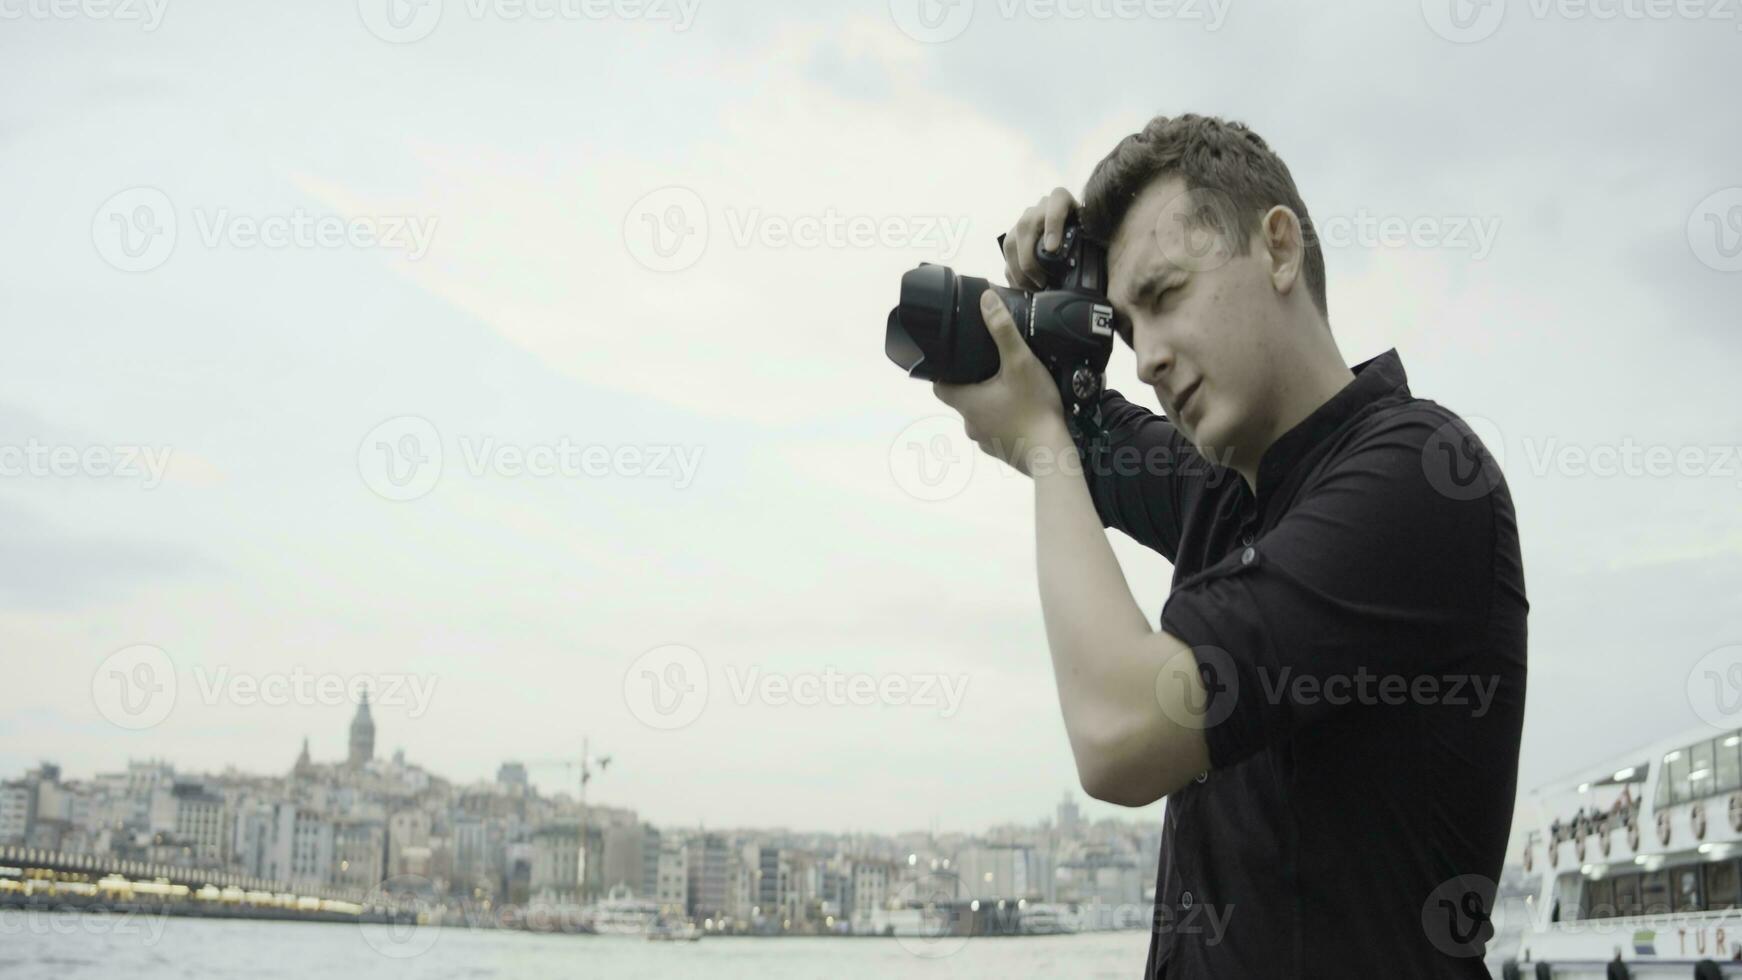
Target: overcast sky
(294, 251)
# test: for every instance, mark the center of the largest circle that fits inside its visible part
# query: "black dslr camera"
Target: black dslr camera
(937, 334)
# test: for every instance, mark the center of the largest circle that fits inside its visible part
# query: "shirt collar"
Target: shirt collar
(1376, 378)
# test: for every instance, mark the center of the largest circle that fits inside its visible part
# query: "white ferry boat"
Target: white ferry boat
(1641, 867)
(623, 915)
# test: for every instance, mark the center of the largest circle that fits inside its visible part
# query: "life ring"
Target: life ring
(1633, 835)
(1697, 818)
(1663, 827)
(1736, 812)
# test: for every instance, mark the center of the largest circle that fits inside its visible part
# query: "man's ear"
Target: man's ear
(1281, 232)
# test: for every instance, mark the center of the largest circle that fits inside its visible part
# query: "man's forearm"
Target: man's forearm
(1113, 670)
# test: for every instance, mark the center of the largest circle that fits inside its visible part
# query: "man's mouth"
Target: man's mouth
(1184, 399)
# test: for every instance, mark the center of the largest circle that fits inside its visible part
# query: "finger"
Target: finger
(1058, 207)
(1001, 325)
(1033, 276)
(1013, 274)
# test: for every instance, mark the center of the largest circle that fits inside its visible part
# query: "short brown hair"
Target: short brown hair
(1243, 177)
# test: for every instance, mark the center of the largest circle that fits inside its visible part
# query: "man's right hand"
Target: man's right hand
(1045, 224)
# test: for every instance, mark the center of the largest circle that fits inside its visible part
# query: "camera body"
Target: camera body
(936, 332)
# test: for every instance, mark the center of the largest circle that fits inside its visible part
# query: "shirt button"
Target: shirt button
(1185, 900)
(1204, 777)
(1246, 539)
(1248, 556)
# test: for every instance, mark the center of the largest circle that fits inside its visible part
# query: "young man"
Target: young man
(1333, 701)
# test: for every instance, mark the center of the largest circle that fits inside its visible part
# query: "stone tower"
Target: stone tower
(362, 735)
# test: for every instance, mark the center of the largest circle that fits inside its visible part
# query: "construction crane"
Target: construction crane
(584, 763)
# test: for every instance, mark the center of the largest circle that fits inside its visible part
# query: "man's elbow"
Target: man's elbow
(1138, 769)
(1122, 789)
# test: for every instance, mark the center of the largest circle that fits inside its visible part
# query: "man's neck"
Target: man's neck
(1319, 374)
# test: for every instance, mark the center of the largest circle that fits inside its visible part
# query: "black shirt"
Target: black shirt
(1360, 627)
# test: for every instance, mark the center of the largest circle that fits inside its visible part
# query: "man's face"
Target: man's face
(1199, 318)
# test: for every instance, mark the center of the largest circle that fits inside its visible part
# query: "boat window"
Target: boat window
(1701, 779)
(1685, 888)
(1599, 898)
(1728, 763)
(1627, 894)
(1677, 765)
(1721, 880)
(1654, 893)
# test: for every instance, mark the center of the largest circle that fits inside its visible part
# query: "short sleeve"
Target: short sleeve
(1144, 474)
(1373, 578)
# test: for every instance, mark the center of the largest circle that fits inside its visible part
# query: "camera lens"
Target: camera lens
(937, 333)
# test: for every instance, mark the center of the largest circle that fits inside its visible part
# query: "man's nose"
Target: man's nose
(1154, 360)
